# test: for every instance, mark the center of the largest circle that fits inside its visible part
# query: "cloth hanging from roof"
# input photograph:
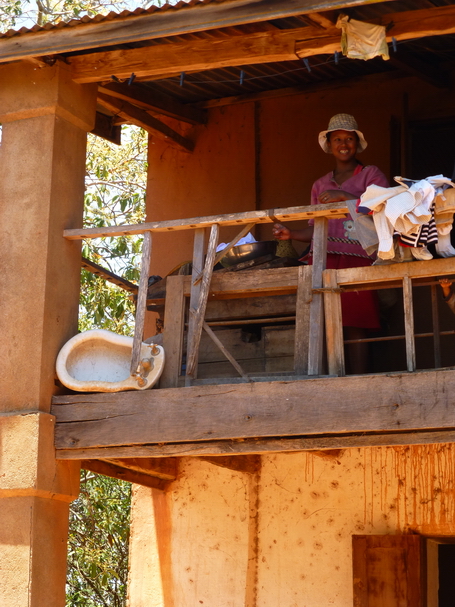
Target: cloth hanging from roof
(361, 40)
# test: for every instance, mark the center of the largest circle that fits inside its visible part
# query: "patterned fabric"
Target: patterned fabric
(344, 229)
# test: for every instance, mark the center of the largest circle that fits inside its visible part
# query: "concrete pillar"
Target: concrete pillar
(45, 118)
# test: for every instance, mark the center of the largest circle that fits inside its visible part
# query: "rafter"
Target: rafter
(140, 118)
(319, 20)
(410, 25)
(154, 101)
(408, 63)
(106, 128)
(166, 60)
(157, 24)
(196, 55)
(125, 474)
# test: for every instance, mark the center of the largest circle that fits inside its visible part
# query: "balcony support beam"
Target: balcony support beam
(383, 403)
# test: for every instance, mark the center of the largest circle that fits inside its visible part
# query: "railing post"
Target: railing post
(197, 311)
(302, 320)
(197, 269)
(333, 324)
(436, 328)
(316, 329)
(409, 324)
(174, 324)
(141, 302)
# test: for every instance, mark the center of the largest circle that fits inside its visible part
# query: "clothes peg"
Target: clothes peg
(242, 77)
(182, 78)
(307, 64)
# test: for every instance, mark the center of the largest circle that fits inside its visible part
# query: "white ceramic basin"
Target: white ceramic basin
(99, 361)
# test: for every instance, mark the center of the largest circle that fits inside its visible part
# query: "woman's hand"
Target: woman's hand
(446, 285)
(334, 196)
(281, 232)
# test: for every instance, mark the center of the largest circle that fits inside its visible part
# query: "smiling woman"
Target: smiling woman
(348, 181)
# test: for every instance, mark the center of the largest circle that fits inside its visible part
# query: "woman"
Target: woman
(348, 181)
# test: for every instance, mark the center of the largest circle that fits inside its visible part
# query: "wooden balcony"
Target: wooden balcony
(308, 402)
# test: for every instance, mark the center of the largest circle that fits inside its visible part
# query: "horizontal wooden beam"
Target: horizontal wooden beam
(135, 115)
(170, 59)
(409, 25)
(249, 464)
(251, 283)
(396, 271)
(165, 468)
(124, 474)
(260, 446)
(169, 22)
(377, 403)
(195, 55)
(335, 209)
(154, 101)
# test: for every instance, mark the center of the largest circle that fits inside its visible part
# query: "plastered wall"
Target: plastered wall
(265, 154)
(283, 536)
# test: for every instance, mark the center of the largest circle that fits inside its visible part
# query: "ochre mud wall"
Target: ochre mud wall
(283, 536)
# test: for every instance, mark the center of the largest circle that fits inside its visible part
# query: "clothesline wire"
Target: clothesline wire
(249, 78)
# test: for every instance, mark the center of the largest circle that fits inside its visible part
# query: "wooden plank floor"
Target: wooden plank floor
(322, 407)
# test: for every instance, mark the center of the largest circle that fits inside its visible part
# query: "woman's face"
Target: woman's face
(343, 144)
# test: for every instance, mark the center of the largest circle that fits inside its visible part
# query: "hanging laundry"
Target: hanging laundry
(416, 213)
(361, 40)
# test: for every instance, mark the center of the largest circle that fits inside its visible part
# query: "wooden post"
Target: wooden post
(174, 324)
(198, 264)
(333, 324)
(317, 306)
(141, 302)
(409, 324)
(436, 334)
(302, 320)
(197, 313)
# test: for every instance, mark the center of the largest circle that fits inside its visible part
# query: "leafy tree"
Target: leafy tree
(98, 543)
(99, 521)
(115, 194)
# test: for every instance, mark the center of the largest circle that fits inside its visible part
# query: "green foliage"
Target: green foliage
(98, 543)
(115, 195)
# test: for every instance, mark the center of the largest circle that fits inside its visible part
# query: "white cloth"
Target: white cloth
(361, 40)
(245, 240)
(444, 246)
(398, 209)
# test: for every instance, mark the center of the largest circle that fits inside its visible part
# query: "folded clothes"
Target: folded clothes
(419, 212)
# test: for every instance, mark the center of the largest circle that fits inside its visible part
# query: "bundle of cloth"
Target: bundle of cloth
(410, 216)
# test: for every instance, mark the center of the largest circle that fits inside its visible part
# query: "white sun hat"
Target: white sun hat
(342, 122)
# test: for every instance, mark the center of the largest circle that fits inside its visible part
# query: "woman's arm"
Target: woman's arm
(281, 232)
(335, 196)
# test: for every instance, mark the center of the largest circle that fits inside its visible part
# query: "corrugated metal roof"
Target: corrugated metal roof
(111, 16)
(365, 12)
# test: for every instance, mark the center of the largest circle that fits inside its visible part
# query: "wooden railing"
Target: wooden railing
(318, 290)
